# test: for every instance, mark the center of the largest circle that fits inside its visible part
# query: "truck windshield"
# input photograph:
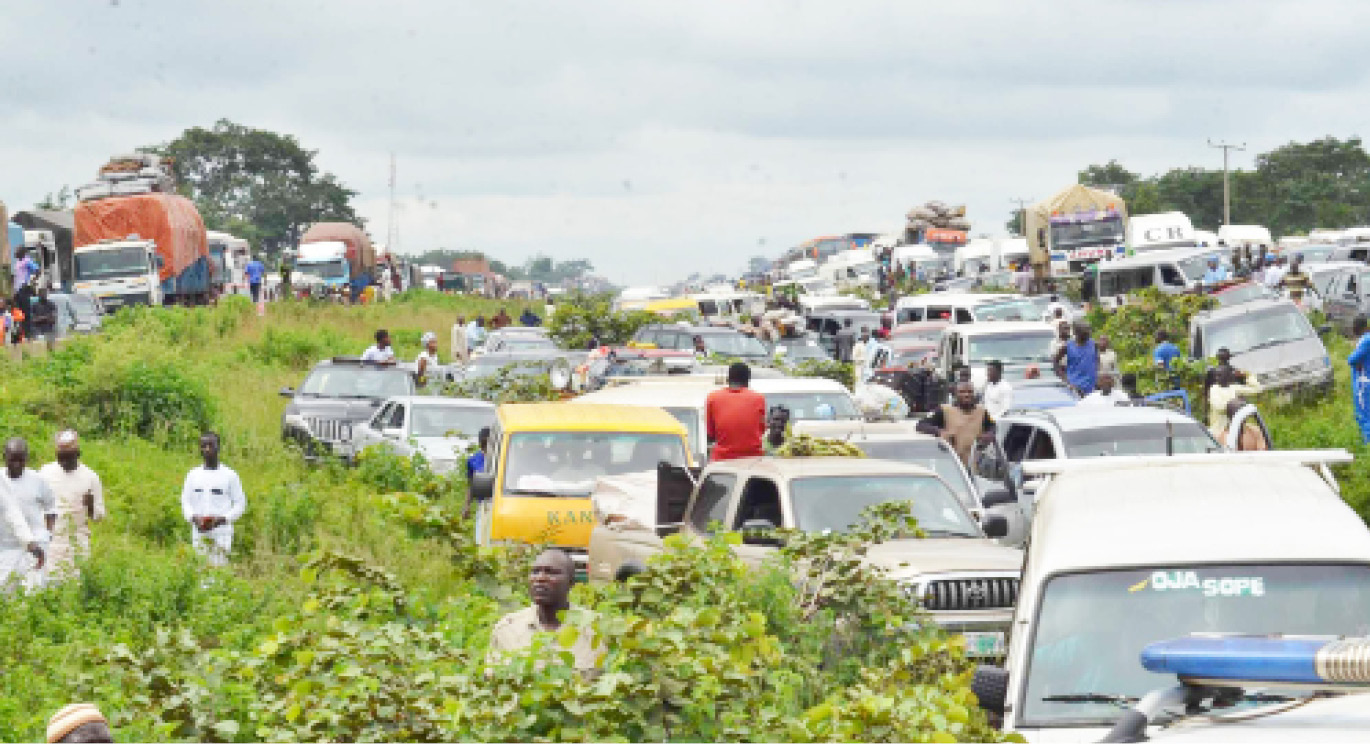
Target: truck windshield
(1259, 330)
(1030, 346)
(112, 263)
(323, 269)
(566, 463)
(1067, 236)
(931, 453)
(1092, 627)
(834, 503)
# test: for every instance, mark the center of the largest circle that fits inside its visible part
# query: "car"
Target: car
(77, 313)
(1126, 552)
(950, 307)
(1237, 293)
(1321, 275)
(1083, 432)
(337, 395)
(1271, 340)
(608, 363)
(806, 397)
(543, 461)
(827, 324)
(901, 441)
(928, 331)
(516, 338)
(719, 340)
(796, 349)
(1345, 295)
(441, 429)
(555, 363)
(1018, 345)
(967, 583)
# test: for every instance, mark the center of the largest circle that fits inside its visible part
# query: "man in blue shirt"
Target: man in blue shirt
(476, 463)
(1078, 361)
(254, 271)
(1360, 377)
(1165, 352)
(1216, 273)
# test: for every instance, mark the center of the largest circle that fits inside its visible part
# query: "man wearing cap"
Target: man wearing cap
(735, 417)
(78, 499)
(428, 358)
(79, 723)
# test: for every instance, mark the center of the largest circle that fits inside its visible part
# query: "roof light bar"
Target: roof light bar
(1271, 659)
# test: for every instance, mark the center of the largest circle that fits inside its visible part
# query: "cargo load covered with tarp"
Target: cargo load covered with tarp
(361, 256)
(1077, 223)
(171, 221)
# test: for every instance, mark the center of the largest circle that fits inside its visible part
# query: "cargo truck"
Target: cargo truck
(1073, 228)
(148, 249)
(227, 257)
(344, 257)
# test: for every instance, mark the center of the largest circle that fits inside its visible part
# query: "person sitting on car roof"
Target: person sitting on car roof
(381, 352)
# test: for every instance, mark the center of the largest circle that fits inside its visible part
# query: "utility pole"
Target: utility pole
(1022, 212)
(391, 229)
(1227, 184)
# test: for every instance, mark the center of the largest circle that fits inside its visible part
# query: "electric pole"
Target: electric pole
(1022, 213)
(1227, 187)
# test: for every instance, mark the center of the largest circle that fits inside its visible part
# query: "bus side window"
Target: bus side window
(1171, 275)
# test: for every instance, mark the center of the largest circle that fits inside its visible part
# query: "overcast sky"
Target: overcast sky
(660, 138)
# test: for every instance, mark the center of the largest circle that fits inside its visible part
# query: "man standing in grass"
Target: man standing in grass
(16, 539)
(459, 348)
(35, 500)
(1360, 376)
(549, 583)
(212, 500)
(80, 500)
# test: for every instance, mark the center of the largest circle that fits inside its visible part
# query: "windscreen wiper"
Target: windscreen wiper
(534, 492)
(1092, 697)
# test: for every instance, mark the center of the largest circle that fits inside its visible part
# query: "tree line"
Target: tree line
(1292, 189)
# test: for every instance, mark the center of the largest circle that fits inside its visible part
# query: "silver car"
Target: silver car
(1269, 339)
(441, 429)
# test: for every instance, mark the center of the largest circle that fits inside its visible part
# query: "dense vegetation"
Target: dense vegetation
(356, 607)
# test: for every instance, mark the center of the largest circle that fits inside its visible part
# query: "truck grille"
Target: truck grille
(970, 594)
(329, 429)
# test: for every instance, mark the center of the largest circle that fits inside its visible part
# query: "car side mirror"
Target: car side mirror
(996, 497)
(759, 532)
(482, 486)
(995, 525)
(1324, 329)
(990, 685)
(287, 392)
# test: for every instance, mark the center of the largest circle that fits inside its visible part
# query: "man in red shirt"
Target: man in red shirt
(736, 417)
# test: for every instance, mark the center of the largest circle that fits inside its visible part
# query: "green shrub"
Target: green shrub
(580, 318)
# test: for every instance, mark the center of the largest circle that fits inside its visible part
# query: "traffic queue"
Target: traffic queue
(1081, 538)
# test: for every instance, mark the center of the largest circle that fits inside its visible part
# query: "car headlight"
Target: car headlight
(296, 420)
(560, 374)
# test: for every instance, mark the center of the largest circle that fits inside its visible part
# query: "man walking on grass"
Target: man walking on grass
(35, 500)
(80, 500)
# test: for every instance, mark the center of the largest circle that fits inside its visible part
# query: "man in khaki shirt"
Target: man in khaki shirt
(550, 587)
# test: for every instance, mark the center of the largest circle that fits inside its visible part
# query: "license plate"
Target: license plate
(983, 643)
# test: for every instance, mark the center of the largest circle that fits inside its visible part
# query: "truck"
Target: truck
(1151, 232)
(227, 256)
(146, 249)
(344, 257)
(1073, 228)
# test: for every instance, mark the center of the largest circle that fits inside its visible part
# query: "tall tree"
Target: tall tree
(1111, 173)
(260, 185)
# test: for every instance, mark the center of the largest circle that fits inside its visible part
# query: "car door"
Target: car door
(1249, 418)
(990, 471)
(759, 500)
(369, 433)
(1342, 300)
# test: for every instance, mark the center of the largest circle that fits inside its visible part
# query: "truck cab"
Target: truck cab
(326, 261)
(119, 273)
(1125, 552)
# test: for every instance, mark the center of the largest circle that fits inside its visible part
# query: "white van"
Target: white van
(1157, 232)
(1244, 235)
(955, 307)
(1017, 344)
(1171, 271)
(1128, 551)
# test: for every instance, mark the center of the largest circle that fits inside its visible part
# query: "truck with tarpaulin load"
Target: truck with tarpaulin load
(1075, 227)
(340, 254)
(146, 249)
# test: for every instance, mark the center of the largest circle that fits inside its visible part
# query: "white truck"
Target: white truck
(120, 273)
(325, 260)
(1152, 232)
(1128, 551)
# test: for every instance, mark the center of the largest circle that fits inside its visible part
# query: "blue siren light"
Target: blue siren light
(1287, 659)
